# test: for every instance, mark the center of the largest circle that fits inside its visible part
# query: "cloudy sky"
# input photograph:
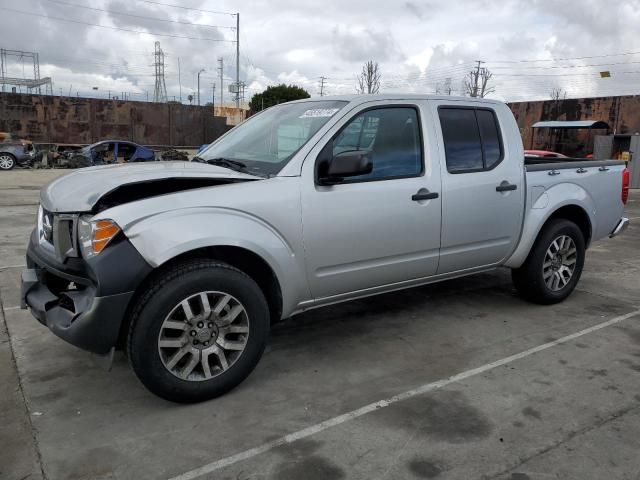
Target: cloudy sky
(531, 46)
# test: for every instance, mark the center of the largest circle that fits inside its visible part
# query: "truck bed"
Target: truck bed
(597, 181)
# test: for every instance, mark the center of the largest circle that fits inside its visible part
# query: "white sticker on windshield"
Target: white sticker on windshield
(319, 112)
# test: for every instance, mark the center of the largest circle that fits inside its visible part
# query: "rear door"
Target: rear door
(482, 180)
(380, 228)
(126, 151)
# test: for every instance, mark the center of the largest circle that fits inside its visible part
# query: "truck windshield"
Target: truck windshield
(266, 142)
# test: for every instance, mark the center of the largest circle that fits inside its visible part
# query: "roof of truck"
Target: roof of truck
(395, 96)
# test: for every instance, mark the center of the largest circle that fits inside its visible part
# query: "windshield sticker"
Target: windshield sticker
(319, 112)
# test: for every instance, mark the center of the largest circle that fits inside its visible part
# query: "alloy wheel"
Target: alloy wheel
(6, 162)
(203, 335)
(559, 263)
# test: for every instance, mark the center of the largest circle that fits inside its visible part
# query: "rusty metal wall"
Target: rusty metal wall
(621, 113)
(53, 119)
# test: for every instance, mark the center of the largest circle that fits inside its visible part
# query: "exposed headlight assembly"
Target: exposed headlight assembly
(94, 236)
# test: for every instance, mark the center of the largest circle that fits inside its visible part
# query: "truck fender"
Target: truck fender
(542, 208)
(166, 235)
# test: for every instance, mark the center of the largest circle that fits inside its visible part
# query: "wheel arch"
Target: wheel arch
(245, 260)
(573, 212)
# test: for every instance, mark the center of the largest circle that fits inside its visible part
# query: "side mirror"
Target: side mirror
(346, 164)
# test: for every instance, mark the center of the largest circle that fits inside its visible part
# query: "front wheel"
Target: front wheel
(554, 265)
(198, 331)
(7, 161)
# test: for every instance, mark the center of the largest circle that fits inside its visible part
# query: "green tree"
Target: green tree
(277, 94)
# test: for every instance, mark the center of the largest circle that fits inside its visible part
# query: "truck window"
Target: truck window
(461, 136)
(490, 135)
(471, 139)
(392, 138)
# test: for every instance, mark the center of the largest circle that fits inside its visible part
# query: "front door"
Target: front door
(380, 228)
(482, 177)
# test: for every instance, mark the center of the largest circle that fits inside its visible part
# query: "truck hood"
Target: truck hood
(84, 189)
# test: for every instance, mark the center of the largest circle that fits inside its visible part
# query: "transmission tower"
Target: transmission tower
(160, 92)
(35, 83)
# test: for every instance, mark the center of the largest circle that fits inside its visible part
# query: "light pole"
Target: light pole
(202, 70)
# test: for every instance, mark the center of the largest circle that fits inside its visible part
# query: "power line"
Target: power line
(187, 8)
(567, 66)
(113, 12)
(564, 59)
(49, 17)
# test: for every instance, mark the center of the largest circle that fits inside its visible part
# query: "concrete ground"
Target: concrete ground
(491, 387)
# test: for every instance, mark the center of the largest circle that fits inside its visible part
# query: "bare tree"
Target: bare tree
(557, 96)
(476, 83)
(369, 78)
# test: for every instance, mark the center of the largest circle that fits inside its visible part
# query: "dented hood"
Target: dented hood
(81, 190)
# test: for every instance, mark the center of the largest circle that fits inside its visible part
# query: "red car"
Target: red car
(543, 153)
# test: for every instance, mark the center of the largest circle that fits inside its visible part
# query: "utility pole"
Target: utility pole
(322, 79)
(201, 70)
(213, 98)
(221, 70)
(476, 79)
(179, 80)
(237, 60)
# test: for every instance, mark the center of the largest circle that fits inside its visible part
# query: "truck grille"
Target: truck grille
(56, 233)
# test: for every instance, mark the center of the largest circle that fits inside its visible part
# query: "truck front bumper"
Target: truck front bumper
(84, 305)
(78, 317)
(620, 227)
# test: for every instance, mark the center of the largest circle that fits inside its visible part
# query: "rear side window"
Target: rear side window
(471, 139)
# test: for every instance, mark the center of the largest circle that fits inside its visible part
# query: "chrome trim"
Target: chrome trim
(57, 233)
(43, 230)
(621, 227)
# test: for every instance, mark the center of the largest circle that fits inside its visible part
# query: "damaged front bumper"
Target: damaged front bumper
(78, 317)
(85, 303)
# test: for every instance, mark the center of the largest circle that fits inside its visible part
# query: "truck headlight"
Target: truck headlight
(94, 236)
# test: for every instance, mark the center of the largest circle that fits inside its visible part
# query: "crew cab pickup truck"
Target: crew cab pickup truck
(185, 265)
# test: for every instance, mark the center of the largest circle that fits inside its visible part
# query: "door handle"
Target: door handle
(417, 197)
(506, 187)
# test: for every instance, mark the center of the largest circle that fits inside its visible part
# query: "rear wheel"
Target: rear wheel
(554, 265)
(198, 331)
(7, 161)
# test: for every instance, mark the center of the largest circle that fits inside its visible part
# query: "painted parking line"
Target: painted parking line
(346, 417)
(6, 309)
(7, 267)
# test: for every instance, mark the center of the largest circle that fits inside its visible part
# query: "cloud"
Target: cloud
(414, 9)
(359, 44)
(419, 44)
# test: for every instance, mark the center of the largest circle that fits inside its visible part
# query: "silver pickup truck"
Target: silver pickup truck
(185, 265)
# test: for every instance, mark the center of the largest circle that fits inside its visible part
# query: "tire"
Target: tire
(544, 278)
(157, 337)
(7, 161)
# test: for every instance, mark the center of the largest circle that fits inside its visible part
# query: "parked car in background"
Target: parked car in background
(60, 149)
(543, 153)
(106, 152)
(306, 204)
(17, 152)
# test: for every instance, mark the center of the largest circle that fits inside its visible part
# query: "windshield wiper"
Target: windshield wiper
(236, 165)
(228, 163)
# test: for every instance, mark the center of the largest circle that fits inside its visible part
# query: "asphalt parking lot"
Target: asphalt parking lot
(461, 380)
